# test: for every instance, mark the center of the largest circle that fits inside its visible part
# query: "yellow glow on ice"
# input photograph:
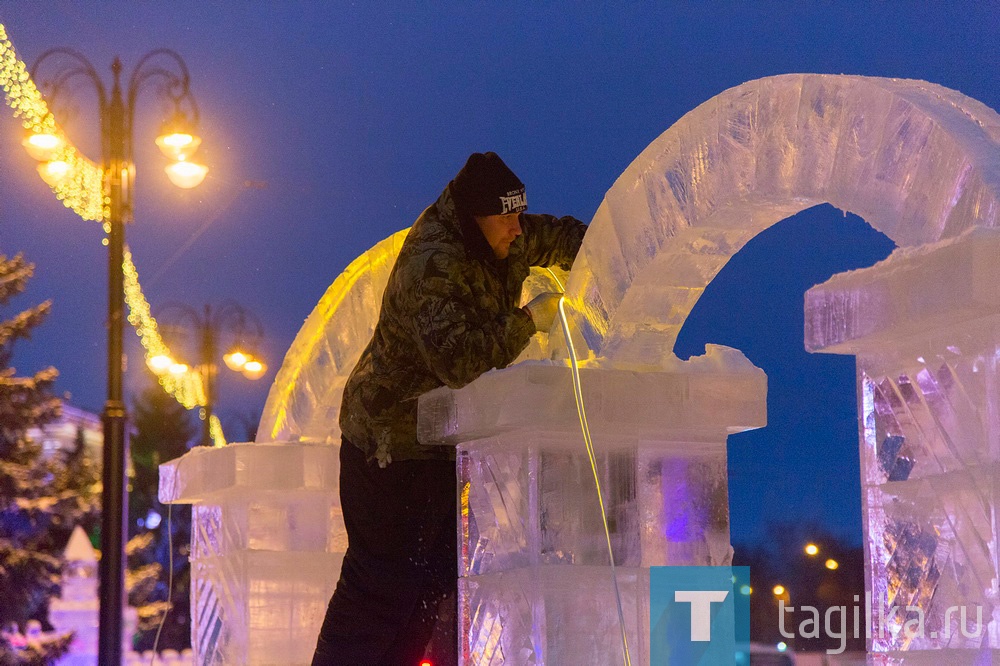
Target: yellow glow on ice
(313, 332)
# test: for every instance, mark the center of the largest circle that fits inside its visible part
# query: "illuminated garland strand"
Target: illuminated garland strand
(188, 387)
(82, 191)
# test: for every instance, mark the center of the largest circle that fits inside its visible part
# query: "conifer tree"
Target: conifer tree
(34, 501)
(162, 433)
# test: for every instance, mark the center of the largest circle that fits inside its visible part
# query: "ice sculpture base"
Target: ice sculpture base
(555, 615)
(535, 585)
(925, 329)
(267, 545)
(937, 658)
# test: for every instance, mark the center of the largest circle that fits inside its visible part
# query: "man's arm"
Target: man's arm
(552, 241)
(451, 333)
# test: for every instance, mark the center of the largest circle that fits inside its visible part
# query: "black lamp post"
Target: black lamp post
(210, 327)
(117, 113)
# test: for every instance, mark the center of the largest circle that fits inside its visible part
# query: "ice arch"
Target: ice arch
(917, 161)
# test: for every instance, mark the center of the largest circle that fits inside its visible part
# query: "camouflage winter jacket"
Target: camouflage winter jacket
(449, 313)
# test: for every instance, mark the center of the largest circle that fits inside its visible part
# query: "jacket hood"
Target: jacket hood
(476, 245)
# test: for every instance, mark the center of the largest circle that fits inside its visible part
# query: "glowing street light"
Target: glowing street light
(832, 565)
(117, 113)
(208, 326)
(811, 549)
(43, 147)
(186, 174)
(53, 172)
(779, 590)
(160, 363)
(235, 360)
(254, 369)
(177, 140)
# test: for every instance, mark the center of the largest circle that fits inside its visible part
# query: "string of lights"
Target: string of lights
(79, 187)
(78, 183)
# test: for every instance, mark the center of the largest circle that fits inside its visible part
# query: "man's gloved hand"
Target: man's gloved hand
(543, 309)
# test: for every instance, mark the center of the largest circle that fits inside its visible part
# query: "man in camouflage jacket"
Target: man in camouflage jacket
(449, 313)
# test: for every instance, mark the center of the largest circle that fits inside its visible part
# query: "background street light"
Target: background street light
(230, 321)
(167, 70)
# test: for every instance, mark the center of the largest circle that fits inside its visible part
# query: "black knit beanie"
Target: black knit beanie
(486, 186)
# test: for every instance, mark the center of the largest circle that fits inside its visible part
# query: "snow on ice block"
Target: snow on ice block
(701, 399)
(906, 300)
(205, 473)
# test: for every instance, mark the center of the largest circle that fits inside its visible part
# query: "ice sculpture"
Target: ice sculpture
(77, 607)
(269, 537)
(266, 547)
(917, 161)
(923, 325)
(534, 583)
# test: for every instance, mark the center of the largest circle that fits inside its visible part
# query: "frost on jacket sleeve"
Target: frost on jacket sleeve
(552, 241)
(457, 336)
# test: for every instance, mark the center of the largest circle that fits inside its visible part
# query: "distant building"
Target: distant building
(61, 434)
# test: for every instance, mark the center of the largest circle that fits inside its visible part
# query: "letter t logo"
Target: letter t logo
(701, 610)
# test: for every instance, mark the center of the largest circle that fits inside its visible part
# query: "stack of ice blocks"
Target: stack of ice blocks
(266, 549)
(535, 586)
(925, 326)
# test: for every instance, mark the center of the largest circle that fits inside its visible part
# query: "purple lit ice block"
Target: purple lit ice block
(925, 327)
(535, 585)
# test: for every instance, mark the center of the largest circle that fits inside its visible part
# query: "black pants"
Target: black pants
(400, 570)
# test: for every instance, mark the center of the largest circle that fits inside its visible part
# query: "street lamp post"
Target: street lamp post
(117, 113)
(210, 326)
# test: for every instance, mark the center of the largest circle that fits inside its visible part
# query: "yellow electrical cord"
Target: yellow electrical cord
(589, 443)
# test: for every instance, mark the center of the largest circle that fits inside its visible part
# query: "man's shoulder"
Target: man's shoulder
(435, 247)
(432, 240)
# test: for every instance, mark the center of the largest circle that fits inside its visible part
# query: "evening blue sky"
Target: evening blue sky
(328, 126)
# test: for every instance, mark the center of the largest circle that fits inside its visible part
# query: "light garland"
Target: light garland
(82, 191)
(187, 387)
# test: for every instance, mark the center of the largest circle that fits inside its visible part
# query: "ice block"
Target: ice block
(535, 582)
(266, 550)
(924, 327)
